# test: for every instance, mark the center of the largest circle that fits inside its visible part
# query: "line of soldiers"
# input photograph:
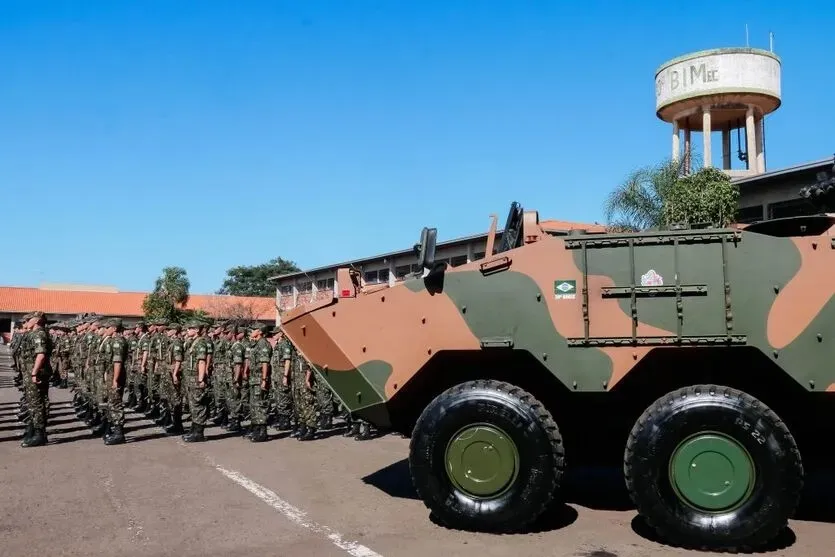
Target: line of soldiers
(224, 372)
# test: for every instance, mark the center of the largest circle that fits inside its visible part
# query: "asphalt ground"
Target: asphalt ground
(157, 495)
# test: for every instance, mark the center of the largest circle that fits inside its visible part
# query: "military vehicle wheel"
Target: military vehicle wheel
(711, 467)
(486, 456)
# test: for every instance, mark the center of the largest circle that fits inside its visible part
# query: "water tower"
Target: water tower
(727, 90)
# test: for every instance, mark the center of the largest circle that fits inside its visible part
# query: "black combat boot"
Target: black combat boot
(100, 429)
(64, 384)
(37, 439)
(116, 437)
(353, 430)
(28, 432)
(259, 433)
(221, 417)
(234, 425)
(300, 430)
(195, 435)
(176, 425)
(131, 403)
(140, 402)
(364, 432)
(325, 421)
(308, 435)
(283, 424)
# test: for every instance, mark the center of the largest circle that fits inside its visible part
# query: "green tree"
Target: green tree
(247, 280)
(660, 195)
(169, 296)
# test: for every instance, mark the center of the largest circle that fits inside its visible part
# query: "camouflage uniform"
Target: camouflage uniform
(143, 344)
(237, 354)
(220, 379)
(114, 350)
(304, 399)
(210, 357)
(283, 393)
(197, 392)
(259, 386)
(64, 350)
(324, 402)
(155, 356)
(37, 386)
(175, 395)
(17, 337)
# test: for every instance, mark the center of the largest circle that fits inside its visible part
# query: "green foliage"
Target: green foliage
(170, 295)
(660, 195)
(252, 280)
(638, 203)
(706, 196)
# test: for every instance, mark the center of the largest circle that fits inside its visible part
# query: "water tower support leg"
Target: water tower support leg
(758, 137)
(676, 153)
(687, 150)
(706, 129)
(726, 149)
(750, 142)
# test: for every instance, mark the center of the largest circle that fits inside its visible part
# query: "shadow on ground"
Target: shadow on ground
(604, 489)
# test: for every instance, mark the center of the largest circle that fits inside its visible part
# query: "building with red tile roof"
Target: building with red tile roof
(61, 302)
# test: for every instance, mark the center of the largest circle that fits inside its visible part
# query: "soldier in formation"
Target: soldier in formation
(225, 373)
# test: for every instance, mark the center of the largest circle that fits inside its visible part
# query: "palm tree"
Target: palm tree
(638, 203)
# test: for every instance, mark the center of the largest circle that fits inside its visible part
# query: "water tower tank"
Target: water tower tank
(724, 89)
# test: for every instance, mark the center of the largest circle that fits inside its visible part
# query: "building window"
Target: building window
(305, 286)
(747, 215)
(478, 255)
(376, 277)
(324, 284)
(401, 271)
(791, 208)
(457, 260)
(286, 290)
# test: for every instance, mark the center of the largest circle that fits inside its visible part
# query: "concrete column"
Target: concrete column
(676, 148)
(391, 272)
(706, 129)
(688, 152)
(750, 139)
(726, 149)
(295, 293)
(470, 253)
(758, 137)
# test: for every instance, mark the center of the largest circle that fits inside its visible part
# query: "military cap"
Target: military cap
(231, 327)
(140, 323)
(258, 326)
(91, 318)
(160, 321)
(174, 327)
(193, 324)
(112, 322)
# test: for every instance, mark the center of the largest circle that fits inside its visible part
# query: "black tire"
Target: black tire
(524, 420)
(690, 410)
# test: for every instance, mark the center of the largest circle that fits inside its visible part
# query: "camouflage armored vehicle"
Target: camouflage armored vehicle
(700, 358)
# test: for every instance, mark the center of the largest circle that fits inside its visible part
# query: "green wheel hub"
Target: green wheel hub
(482, 460)
(712, 472)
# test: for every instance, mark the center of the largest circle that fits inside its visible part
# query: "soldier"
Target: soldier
(304, 399)
(99, 387)
(258, 364)
(195, 381)
(139, 363)
(77, 358)
(17, 337)
(37, 386)
(130, 381)
(237, 354)
(63, 354)
(164, 368)
(282, 356)
(155, 355)
(54, 337)
(24, 366)
(210, 353)
(113, 354)
(220, 373)
(172, 383)
(324, 402)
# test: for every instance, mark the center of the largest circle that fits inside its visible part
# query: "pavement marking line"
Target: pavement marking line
(295, 514)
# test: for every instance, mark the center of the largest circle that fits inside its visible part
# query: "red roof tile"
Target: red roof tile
(122, 304)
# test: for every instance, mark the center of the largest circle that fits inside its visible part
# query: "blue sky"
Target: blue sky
(135, 135)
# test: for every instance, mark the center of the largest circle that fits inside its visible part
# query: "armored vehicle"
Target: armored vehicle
(701, 358)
